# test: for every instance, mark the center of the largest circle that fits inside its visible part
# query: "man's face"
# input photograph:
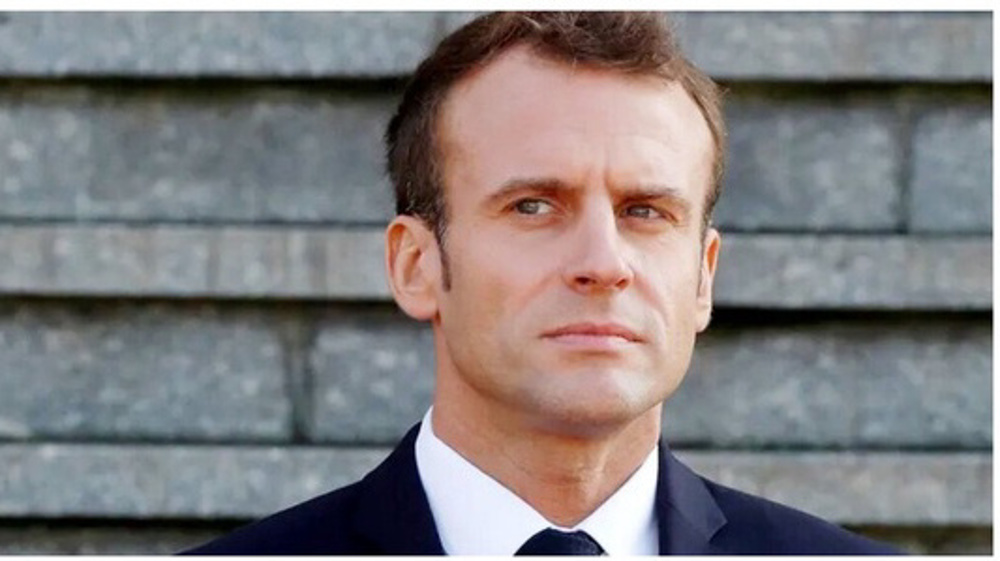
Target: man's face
(574, 205)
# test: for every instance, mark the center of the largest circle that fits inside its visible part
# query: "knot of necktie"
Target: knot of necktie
(554, 542)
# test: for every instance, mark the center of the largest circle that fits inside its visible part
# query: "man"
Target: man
(555, 176)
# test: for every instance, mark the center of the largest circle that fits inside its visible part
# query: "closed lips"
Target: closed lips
(595, 330)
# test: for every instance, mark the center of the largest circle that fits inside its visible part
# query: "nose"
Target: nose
(598, 262)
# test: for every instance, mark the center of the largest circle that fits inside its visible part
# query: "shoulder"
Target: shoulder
(758, 526)
(321, 525)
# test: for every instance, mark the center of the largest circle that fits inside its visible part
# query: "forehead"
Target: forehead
(525, 110)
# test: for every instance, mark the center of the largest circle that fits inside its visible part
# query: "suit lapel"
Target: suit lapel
(686, 512)
(393, 512)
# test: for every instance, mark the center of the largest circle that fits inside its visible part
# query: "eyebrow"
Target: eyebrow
(552, 186)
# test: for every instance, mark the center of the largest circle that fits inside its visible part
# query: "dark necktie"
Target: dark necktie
(554, 542)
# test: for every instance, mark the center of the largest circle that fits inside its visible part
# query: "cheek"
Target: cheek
(497, 275)
(671, 266)
(491, 307)
(667, 283)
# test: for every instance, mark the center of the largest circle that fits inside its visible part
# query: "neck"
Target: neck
(564, 475)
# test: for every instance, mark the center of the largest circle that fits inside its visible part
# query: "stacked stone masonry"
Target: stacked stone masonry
(195, 328)
(144, 482)
(809, 160)
(763, 46)
(789, 271)
(221, 373)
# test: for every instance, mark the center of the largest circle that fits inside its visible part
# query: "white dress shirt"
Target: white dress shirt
(476, 515)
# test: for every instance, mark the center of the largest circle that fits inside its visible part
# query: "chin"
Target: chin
(594, 405)
(591, 423)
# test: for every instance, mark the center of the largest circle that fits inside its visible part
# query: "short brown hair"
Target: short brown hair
(627, 42)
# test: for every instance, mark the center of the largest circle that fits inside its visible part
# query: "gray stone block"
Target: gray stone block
(373, 376)
(193, 262)
(809, 165)
(121, 371)
(205, 482)
(832, 46)
(934, 540)
(148, 482)
(863, 488)
(777, 271)
(100, 539)
(940, 376)
(952, 171)
(844, 46)
(219, 44)
(881, 384)
(226, 154)
(853, 272)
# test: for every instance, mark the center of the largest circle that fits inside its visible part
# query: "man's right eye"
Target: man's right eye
(533, 207)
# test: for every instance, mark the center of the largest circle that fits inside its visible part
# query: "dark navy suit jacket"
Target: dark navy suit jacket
(387, 513)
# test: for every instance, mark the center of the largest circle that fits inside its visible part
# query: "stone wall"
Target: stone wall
(195, 328)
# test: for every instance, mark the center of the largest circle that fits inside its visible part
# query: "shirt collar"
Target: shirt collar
(476, 515)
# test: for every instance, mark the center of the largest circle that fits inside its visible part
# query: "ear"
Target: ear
(709, 259)
(413, 266)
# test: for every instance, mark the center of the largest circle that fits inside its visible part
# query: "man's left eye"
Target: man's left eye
(642, 211)
(533, 207)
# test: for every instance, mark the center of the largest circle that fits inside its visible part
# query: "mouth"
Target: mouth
(593, 335)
